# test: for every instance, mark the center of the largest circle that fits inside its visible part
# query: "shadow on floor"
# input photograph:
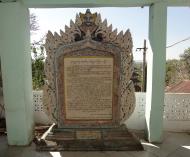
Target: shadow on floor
(174, 145)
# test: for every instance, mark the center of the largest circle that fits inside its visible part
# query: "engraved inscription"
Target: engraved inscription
(81, 135)
(88, 85)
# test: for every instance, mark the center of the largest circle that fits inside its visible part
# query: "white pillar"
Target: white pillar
(156, 60)
(16, 72)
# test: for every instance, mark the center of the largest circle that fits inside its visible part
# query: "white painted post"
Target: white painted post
(16, 72)
(156, 71)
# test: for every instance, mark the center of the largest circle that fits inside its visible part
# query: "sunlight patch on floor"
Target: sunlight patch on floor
(55, 154)
(149, 144)
(187, 147)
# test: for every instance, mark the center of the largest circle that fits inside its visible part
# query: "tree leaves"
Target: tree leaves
(186, 58)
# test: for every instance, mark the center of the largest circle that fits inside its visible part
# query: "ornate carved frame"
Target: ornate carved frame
(89, 32)
(85, 48)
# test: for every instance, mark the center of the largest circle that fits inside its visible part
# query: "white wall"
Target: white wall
(176, 112)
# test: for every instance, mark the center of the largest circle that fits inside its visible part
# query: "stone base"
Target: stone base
(112, 139)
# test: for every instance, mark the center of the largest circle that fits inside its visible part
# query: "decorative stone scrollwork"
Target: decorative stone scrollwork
(91, 26)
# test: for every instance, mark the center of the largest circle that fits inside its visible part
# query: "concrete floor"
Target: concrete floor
(174, 145)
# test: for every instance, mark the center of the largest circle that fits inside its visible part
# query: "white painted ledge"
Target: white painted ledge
(176, 112)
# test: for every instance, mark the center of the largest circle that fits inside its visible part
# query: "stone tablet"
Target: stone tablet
(88, 69)
(88, 82)
(89, 93)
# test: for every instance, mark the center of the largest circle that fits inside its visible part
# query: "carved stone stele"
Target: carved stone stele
(89, 36)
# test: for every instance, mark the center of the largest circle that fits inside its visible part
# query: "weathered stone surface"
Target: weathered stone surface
(89, 36)
(116, 139)
(88, 83)
(89, 92)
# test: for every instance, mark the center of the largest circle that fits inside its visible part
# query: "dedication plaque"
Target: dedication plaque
(86, 134)
(88, 83)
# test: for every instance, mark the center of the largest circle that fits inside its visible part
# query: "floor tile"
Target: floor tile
(174, 145)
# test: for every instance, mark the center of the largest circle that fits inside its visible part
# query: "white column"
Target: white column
(156, 60)
(16, 72)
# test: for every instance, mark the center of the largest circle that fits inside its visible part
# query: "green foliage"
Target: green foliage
(38, 66)
(33, 23)
(185, 57)
(178, 70)
(37, 53)
(137, 76)
(171, 71)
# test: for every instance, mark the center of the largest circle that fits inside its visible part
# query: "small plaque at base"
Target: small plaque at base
(83, 135)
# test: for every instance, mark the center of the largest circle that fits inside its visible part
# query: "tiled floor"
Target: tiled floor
(174, 145)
